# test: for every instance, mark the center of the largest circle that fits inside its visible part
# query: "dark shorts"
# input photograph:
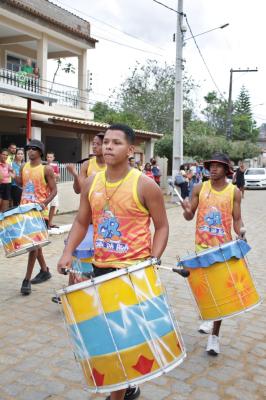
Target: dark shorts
(5, 191)
(102, 271)
(16, 195)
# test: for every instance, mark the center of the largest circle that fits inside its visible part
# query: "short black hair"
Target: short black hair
(2, 150)
(100, 135)
(50, 152)
(129, 133)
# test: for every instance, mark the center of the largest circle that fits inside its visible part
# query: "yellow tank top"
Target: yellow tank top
(34, 185)
(121, 224)
(214, 217)
(94, 167)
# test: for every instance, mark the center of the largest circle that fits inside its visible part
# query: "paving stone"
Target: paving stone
(205, 395)
(206, 383)
(240, 394)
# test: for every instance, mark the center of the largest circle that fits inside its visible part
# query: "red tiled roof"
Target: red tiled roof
(42, 12)
(103, 125)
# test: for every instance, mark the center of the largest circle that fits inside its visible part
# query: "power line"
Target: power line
(201, 55)
(164, 5)
(110, 25)
(127, 45)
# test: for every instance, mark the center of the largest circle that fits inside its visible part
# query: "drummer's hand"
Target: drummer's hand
(64, 262)
(71, 169)
(186, 205)
(42, 205)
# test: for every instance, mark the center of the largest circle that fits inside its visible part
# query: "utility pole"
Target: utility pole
(230, 103)
(178, 100)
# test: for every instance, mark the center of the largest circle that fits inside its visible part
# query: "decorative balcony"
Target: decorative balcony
(66, 95)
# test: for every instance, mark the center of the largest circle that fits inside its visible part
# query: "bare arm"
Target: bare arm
(237, 219)
(50, 179)
(78, 178)
(190, 207)
(79, 227)
(151, 197)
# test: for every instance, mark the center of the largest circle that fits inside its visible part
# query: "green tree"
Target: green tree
(149, 93)
(244, 127)
(104, 113)
(216, 112)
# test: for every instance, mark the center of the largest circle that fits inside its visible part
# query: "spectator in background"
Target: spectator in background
(132, 162)
(6, 173)
(147, 170)
(36, 72)
(54, 204)
(181, 180)
(239, 178)
(12, 147)
(16, 189)
(28, 68)
(156, 171)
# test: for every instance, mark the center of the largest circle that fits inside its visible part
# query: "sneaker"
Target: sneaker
(132, 393)
(206, 327)
(42, 276)
(26, 287)
(56, 299)
(213, 347)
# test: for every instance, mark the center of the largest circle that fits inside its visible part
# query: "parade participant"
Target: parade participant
(123, 199)
(54, 204)
(38, 186)
(16, 190)
(6, 173)
(218, 203)
(94, 164)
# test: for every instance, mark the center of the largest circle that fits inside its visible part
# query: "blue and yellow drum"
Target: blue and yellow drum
(22, 229)
(122, 329)
(221, 282)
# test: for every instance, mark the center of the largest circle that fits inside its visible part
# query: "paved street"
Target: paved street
(36, 361)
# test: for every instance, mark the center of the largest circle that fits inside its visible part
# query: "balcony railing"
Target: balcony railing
(65, 95)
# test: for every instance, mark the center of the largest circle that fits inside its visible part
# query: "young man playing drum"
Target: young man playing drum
(218, 203)
(119, 202)
(38, 186)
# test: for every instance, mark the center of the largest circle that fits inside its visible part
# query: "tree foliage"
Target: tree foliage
(145, 100)
(149, 93)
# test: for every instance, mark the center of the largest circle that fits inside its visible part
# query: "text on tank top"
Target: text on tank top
(214, 216)
(121, 224)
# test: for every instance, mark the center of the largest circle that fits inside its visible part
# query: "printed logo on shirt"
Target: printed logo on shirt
(108, 229)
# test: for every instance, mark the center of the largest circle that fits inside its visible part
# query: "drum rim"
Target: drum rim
(28, 248)
(107, 277)
(201, 254)
(139, 380)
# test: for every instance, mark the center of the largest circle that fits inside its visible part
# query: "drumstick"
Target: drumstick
(170, 183)
(73, 271)
(181, 271)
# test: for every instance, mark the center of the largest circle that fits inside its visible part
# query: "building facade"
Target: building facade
(33, 32)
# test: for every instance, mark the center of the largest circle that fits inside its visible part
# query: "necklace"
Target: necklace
(108, 197)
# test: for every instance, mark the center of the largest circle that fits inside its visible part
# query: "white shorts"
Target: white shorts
(54, 202)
